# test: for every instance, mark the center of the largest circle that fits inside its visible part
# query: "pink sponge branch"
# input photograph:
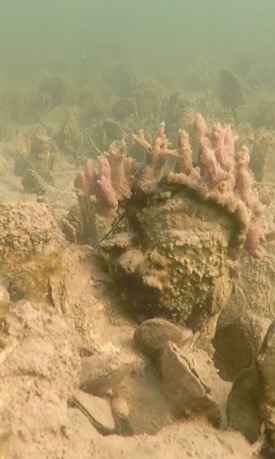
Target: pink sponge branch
(106, 193)
(222, 141)
(106, 183)
(85, 182)
(211, 149)
(119, 177)
(244, 180)
(185, 161)
(156, 154)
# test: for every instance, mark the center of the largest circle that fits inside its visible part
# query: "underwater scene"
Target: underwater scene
(137, 229)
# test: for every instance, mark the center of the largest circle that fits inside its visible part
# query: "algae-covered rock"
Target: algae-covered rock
(251, 400)
(152, 335)
(30, 248)
(265, 365)
(242, 404)
(180, 268)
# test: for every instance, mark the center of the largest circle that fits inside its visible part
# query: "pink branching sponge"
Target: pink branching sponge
(221, 176)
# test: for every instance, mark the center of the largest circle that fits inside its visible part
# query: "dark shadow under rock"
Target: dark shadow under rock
(236, 343)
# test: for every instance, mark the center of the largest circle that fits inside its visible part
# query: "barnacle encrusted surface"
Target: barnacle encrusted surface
(176, 264)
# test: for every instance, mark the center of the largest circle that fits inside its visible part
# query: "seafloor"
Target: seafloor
(136, 302)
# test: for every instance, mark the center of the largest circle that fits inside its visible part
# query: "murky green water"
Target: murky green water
(162, 37)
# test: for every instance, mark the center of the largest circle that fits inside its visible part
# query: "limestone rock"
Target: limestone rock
(153, 334)
(237, 336)
(265, 365)
(30, 248)
(101, 373)
(242, 405)
(191, 383)
(4, 296)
